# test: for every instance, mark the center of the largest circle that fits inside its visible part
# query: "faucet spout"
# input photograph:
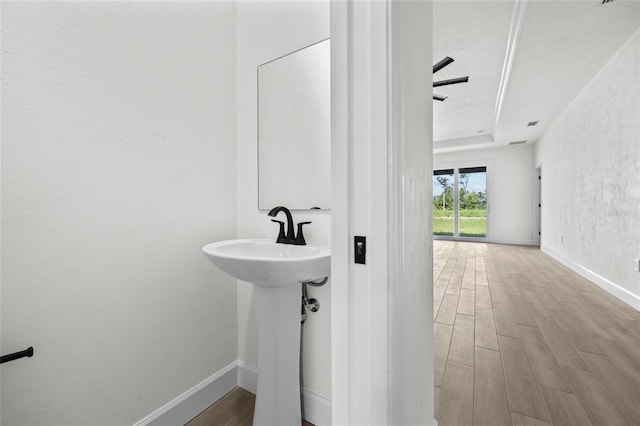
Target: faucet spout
(290, 236)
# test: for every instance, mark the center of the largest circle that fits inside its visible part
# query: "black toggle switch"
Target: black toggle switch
(360, 249)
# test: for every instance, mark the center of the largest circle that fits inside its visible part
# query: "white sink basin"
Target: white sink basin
(268, 264)
(276, 270)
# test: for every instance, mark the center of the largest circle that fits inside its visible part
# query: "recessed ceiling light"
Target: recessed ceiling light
(532, 123)
(517, 142)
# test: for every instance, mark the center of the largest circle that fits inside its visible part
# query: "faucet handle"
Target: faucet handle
(299, 240)
(281, 237)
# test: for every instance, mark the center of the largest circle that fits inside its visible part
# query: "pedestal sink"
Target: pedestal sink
(277, 271)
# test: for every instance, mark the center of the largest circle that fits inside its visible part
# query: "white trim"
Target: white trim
(317, 408)
(195, 400)
(248, 376)
(180, 410)
(537, 205)
(395, 210)
(378, 321)
(378, 355)
(610, 287)
(359, 207)
(456, 204)
(409, 209)
(340, 234)
(517, 19)
(515, 242)
(443, 144)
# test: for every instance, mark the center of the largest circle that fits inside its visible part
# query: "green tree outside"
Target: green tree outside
(469, 200)
(472, 208)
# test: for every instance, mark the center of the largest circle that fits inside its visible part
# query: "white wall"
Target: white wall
(118, 162)
(510, 189)
(590, 179)
(267, 30)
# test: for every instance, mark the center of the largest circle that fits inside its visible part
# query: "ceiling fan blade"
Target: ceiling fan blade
(450, 81)
(443, 63)
(439, 98)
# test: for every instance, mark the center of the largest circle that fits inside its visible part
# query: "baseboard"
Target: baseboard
(248, 376)
(493, 241)
(516, 242)
(610, 287)
(194, 401)
(317, 408)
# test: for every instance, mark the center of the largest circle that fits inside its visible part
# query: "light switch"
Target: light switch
(360, 249)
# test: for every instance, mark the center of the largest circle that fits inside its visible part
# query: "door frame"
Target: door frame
(537, 205)
(382, 153)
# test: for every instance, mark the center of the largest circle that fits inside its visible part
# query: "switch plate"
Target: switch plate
(636, 265)
(360, 249)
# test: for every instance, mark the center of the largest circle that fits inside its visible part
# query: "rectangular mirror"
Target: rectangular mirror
(294, 130)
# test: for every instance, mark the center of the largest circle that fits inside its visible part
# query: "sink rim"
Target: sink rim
(317, 250)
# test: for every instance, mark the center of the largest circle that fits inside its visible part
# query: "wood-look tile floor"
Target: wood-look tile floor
(233, 409)
(519, 339)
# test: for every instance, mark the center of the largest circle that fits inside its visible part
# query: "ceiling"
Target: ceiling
(526, 61)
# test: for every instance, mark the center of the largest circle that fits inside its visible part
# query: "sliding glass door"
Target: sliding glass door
(444, 202)
(472, 202)
(460, 202)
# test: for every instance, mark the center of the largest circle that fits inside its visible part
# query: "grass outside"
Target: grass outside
(469, 226)
(463, 213)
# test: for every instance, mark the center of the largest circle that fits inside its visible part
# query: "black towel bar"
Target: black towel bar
(17, 355)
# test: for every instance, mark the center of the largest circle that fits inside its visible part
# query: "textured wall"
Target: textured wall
(510, 189)
(266, 30)
(118, 163)
(590, 173)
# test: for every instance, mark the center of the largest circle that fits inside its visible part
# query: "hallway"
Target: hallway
(519, 339)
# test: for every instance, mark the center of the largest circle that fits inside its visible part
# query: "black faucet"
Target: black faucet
(290, 236)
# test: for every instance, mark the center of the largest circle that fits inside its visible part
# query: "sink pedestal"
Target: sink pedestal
(277, 271)
(278, 317)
